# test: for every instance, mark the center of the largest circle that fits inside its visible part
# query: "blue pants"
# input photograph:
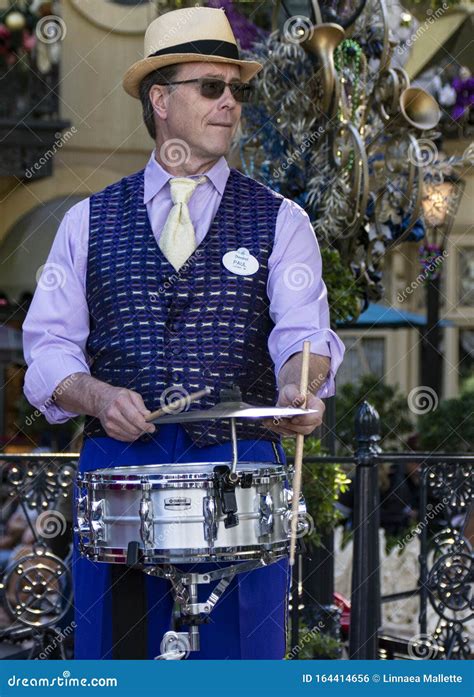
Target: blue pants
(250, 619)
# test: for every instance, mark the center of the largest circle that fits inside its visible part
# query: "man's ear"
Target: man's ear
(159, 96)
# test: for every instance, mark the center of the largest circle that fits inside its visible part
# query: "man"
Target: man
(180, 276)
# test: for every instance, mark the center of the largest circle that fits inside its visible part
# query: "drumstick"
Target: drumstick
(178, 403)
(299, 453)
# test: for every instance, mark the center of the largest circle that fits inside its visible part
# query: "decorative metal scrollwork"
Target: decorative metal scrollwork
(450, 587)
(451, 637)
(35, 588)
(40, 483)
(452, 484)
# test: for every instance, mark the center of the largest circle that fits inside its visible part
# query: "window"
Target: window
(363, 356)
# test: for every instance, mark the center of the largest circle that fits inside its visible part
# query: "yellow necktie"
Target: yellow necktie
(178, 240)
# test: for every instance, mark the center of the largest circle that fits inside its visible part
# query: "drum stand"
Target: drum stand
(176, 645)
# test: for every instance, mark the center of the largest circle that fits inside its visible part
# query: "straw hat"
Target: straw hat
(182, 36)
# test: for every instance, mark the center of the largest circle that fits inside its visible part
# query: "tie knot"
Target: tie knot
(182, 188)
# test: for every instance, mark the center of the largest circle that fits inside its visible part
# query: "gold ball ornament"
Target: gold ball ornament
(15, 21)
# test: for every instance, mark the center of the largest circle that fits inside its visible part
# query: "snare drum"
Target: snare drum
(177, 513)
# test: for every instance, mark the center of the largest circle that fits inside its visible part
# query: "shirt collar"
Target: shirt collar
(156, 176)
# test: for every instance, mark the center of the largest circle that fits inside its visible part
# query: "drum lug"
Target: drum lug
(210, 519)
(265, 510)
(83, 527)
(146, 517)
(97, 527)
(303, 524)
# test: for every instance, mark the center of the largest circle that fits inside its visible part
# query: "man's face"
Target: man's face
(206, 125)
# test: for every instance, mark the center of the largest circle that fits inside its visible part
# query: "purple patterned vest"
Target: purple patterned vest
(165, 333)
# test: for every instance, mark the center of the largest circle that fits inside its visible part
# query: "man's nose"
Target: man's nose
(227, 98)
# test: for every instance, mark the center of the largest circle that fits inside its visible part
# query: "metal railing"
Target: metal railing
(447, 584)
(40, 482)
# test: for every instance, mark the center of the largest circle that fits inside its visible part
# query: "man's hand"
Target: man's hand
(122, 414)
(290, 396)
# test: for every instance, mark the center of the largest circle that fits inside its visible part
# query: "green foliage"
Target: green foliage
(467, 385)
(390, 403)
(450, 427)
(322, 483)
(343, 294)
(315, 644)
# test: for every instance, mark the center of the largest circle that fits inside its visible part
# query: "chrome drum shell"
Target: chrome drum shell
(174, 513)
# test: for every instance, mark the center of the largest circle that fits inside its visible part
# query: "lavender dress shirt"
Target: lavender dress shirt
(56, 328)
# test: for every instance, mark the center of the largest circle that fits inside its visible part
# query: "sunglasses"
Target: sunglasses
(213, 88)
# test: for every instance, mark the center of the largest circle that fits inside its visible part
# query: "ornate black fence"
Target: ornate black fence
(36, 583)
(36, 587)
(446, 480)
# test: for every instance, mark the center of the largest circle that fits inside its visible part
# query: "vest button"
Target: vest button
(176, 377)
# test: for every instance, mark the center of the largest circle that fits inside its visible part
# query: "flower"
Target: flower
(29, 41)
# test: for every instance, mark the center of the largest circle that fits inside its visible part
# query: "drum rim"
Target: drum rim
(187, 555)
(136, 474)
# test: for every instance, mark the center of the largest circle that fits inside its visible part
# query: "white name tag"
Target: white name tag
(241, 262)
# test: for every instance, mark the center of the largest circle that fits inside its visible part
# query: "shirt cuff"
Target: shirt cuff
(43, 376)
(324, 342)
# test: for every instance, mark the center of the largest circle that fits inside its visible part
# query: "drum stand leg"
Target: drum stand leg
(177, 645)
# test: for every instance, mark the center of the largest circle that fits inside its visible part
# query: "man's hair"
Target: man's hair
(161, 76)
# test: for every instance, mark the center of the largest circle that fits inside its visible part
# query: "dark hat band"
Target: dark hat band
(204, 47)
